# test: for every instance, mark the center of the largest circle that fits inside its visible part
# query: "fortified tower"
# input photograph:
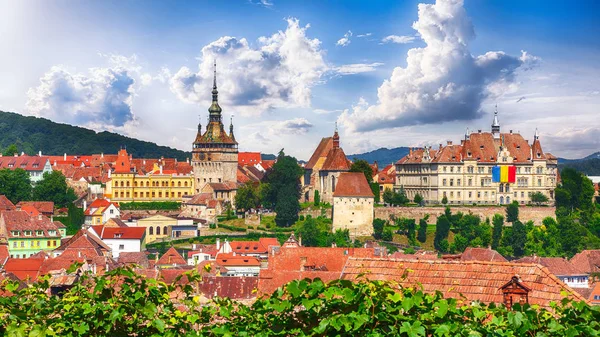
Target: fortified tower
(215, 153)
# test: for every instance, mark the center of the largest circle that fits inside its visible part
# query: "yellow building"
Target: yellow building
(128, 184)
(157, 227)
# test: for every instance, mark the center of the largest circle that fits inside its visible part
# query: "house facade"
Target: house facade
(157, 227)
(469, 172)
(353, 204)
(121, 239)
(36, 166)
(28, 235)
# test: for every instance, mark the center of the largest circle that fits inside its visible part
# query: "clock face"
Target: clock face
(202, 155)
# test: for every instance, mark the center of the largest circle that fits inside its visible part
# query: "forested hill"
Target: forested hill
(383, 156)
(32, 134)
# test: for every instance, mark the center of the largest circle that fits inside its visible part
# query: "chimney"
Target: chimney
(65, 157)
(479, 131)
(40, 153)
(410, 151)
(102, 155)
(300, 240)
(449, 142)
(194, 246)
(218, 243)
(79, 253)
(16, 155)
(109, 172)
(55, 163)
(40, 216)
(187, 160)
(440, 146)
(511, 131)
(302, 262)
(84, 204)
(22, 153)
(18, 207)
(161, 169)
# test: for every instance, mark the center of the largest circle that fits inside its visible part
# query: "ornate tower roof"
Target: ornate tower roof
(215, 109)
(496, 124)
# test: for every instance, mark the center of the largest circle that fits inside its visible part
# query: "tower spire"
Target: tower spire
(231, 128)
(336, 137)
(215, 109)
(496, 124)
(200, 124)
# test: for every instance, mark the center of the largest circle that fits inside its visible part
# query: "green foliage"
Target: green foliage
(422, 234)
(498, 222)
(232, 228)
(284, 189)
(247, 197)
(316, 232)
(15, 185)
(361, 165)
(151, 205)
(10, 150)
(410, 232)
(395, 198)
(512, 212)
(574, 195)
(418, 199)
(387, 235)
(388, 196)
(317, 198)
(53, 187)
(74, 219)
(32, 134)
(378, 225)
(442, 229)
(589, 166)
(375, 190)
(444, 200)
(538, 198)
(519, 237)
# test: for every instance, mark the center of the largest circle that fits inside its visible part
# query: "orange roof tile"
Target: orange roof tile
(25, 269)
(481, 254)
(231, 260)
(325, 145)
(249, 158)
(556, 265)
(587, 261)
(352, 184)
(46, 207)
(171, 257)
(336, 161)
(5, 204)
(124, 233)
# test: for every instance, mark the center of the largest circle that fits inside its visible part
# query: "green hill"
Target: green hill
(32, 134)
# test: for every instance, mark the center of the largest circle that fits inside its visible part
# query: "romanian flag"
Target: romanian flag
(504, 174)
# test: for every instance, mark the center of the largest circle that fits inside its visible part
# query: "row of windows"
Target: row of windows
(151, 230)
(152, 194)
(154, 184)
(485, 194)
(37, 243)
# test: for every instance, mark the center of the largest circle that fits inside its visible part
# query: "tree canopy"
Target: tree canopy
(53, 187)
(284, 190)
(15, 184)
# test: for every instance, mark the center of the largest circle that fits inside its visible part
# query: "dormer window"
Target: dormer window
(51, 232)
(39, 233)
(27, 233)
(539, 155)
(469, 154)
(15, 233)
(481, 147)
(518, 146)
(118, 235)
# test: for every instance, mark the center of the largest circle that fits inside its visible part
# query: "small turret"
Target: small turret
(231, 128)
(336, 137)
(496, 124)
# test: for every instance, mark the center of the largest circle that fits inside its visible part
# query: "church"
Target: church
(215, 154)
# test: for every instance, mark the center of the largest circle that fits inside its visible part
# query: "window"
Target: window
(451, 182)
(185, 183)
(157, 230)
(444, 182)
(470, 195)
(501, 187)
(165, 230)
(151, 230)
(121, 247)
(470, 182)
(39, 232)
(457, 182)
(15, 233)
(539, 182)
(478, 195)
(22, 244)
(458, 169)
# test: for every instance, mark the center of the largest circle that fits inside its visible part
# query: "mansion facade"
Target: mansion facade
(463, 173)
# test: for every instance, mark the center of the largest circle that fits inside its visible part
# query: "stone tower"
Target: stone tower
(215, 153)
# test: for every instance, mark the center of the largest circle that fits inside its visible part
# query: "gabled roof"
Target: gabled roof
(231, 260)
(138, 258)
(249, 158)
(120, 233)
(336, 161)
(83, 244)
(171, 257)
(24, 269)
(21, 221)
(387, 175)
(587, 261)
(322, 149)
(556, 265)
(200, 199)
(25, 162)
(46, 207)
(475, 280)
(226, 186)
(353, 184)
(481, 254)
(5, 204)
(253, 247)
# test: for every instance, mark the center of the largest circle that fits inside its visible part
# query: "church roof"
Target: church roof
(336, 161)
(323, 148)
(352, 184)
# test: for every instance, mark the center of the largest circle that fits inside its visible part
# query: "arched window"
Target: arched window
(122, 184)
(185, 183)
(147, 184)
(157, 230)
(507, 189)
(501, 200)
(501, 187)
(179, 184)
(151, 229)
(165, 230)
(508, 200)
(332, 183)
(128, 183)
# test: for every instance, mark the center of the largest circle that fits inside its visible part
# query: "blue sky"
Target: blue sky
(289, 70)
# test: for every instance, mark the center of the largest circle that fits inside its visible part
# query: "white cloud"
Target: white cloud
(278, 73)
(344, 41)
(441, 81)
(325, 111)
(101, 98)
(364, 35)
(574, 142)
(356, 68)
(398, 39)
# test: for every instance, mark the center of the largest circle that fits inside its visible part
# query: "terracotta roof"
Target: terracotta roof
(416, 256)
(325, 145)
(416, 156)
(25, 162)
(98, 204)
(231, 287)
(249, 158)
(587, 261)
(352, 184)
(25, 269)
(481, 254)
(200, 199)
(253, 247)
(120, 233)
(226, 186)
(138, 258)
(171, 257)
(83, 244)
(336, 161)
(3, 253)
(557, 265)
(214, 133)
(32, 211)
(21, 221)
(475, 280)
(5, 204)
(595, 292)
(387, 175)
(46, 207)
(268, 164)
(231, 260)
(122, 164)
(242, 177)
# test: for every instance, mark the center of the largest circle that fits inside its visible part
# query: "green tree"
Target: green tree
(378, 225)
(247, 197)
(15, 184)
(460, 244)
(418, 199)
(284, 189)
(574, 195)
(75, 219)
(388, 196)
(400, 197)
(444, 200)
(512, 212)
(387, 235)
(519, 238)
(422, 234)
(375, 190)
(317, 198)
(442, 229)
(53, 187)
(11, 150)
(310, 233)
(498, 222)
(410, 233)
(539, 198)
(363, 166)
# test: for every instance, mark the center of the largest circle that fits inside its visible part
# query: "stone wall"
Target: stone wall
(537, 214)
(354, 214)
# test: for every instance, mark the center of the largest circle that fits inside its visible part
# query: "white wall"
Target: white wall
(129, 245)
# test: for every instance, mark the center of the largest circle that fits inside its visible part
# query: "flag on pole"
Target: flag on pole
(504, 174)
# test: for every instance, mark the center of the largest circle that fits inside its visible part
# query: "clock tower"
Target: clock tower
(214, 153)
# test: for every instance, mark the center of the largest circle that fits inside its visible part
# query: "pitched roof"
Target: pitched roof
(120, 233)
(556, 265)
(83, 244)
(387, 175)
(249, 158)
(587, 261)
(171, 257)
(475, 280)
(25, 162)
(32, 211)
(46, 207)
(336, 160)
(226, 186)
(481, 254)
(123, 163)
(5, 204)
(24, 269)
(138, 258)
(253, 247)
(21, 221)
(200, 199)
(352, 184)
(322, 149)
(231, 260)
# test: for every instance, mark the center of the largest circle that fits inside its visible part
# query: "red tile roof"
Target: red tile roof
(3, 253)
(249, 158)
(353, 184)
(32, 211)
(387, 175)
(120, 233)
(481, 254)
(475, 280)
(325, 145)
(25, 269)
(416, 256)
(83, 244)
(587, 261)
(595, 292)
(122, 164)
(21, 221)
(226, 186)
(138, 258)
(25, 162)
(46, 207)
(171, 257)
(336, 161)
(557, 265)
(231, 260)
(253, 247)
(5, 204)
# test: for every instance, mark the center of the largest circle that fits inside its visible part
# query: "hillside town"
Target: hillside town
(164, 218)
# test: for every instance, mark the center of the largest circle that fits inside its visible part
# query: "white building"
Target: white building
(353, 203)
(121, 239)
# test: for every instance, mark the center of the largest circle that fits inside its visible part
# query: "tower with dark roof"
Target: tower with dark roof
(215, 153)
(496, 125)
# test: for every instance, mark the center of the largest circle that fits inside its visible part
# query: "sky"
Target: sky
(387, 73)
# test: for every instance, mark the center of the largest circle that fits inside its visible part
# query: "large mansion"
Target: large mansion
(465, 173)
